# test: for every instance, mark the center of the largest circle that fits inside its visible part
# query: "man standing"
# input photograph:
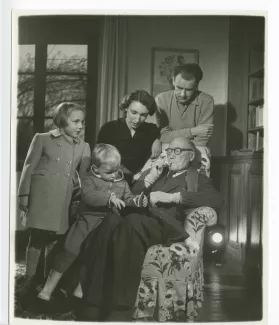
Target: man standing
(185, 111)
(171, 192)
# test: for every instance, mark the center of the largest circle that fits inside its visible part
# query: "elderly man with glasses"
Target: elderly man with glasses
(171, 190)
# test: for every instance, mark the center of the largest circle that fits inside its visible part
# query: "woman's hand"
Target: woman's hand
(156, 149)
(23, 203)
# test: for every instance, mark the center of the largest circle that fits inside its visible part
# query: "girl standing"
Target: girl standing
(46, 183)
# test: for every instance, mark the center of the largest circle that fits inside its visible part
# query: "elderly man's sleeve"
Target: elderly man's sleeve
(206, 117)
(206, 195)
(138, 186)
(162, 121)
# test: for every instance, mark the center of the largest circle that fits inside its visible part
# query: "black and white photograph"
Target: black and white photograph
(137, 175)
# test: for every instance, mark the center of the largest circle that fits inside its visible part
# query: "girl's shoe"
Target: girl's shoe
(27, 288)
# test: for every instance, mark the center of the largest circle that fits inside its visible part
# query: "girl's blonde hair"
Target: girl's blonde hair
(63, 111)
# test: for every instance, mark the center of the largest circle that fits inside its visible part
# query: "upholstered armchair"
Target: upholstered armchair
(171, 287)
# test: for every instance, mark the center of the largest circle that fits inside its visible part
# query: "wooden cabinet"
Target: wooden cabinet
(240, 181)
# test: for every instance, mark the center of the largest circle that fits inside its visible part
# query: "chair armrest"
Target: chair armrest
(196, 221)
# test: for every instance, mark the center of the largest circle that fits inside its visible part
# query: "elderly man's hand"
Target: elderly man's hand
(162, 197)
(192, 244)
(155, 172)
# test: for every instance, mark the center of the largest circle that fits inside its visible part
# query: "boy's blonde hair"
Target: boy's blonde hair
(105, 154)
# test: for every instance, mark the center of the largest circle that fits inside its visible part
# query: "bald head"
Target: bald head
(183, 143)
(179, 161)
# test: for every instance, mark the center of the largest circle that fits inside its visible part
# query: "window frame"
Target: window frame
(42, 31)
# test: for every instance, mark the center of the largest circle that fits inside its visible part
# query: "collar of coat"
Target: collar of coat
(57, 133)
(191, 178)
(120, 175)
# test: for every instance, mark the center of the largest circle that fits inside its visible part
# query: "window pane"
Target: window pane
(26, 58)
(24, 137)
(25, 95)
(67, 58)
(64, 88)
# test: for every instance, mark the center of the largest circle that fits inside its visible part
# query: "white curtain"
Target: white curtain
(112, 70)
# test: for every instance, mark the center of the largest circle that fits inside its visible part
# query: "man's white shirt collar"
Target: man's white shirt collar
(179, 173)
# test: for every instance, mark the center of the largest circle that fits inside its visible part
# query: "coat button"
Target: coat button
(59, 144)
(69, 162)
(57, 159)
(67, 175)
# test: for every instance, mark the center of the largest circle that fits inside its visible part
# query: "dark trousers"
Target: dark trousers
(121, 269)
(74, 240)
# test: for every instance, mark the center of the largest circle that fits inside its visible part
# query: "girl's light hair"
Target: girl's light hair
(105, 154)
(63, 111)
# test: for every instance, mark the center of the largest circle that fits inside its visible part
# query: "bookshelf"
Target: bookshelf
(255, 127)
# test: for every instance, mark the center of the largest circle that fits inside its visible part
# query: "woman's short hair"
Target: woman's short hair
(63, 111)
(188, 71)
(141, 96)
(105, 154)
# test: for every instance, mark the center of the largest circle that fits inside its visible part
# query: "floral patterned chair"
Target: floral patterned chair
(171, 287)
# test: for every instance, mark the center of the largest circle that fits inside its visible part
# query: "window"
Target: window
(60, 74)
(58, 61)
(25, 99)
(66, 78)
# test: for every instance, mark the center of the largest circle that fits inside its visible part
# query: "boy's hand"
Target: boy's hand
(144, 201)
(23, 203)
(141, 200)
(119, 204)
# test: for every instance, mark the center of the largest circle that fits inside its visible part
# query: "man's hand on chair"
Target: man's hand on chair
(192, 244)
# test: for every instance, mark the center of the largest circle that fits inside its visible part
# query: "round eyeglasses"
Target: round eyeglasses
(177, 151)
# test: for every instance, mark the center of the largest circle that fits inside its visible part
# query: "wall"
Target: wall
(209, 35)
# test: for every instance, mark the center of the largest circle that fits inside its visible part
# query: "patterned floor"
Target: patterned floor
(33, 312)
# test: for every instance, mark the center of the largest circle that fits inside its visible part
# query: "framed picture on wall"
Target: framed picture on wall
(163, 62)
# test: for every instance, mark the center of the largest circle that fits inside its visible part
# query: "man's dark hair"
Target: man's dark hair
(188, 71)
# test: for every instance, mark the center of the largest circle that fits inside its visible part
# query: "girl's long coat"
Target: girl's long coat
(48, 176)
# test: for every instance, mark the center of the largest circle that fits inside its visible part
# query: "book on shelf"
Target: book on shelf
(256, 89)
(252, 117)
(259, 115)
(252, 142)
(255, 118)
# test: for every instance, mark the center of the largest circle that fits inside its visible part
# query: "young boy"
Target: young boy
(104, 191)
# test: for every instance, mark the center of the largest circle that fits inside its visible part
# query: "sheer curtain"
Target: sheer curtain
(112, 71)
